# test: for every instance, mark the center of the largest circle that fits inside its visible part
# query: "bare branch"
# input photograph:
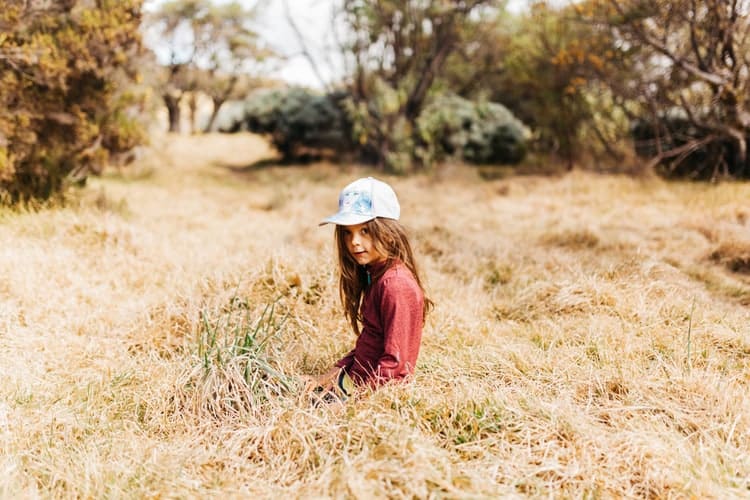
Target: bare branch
(303, 45)
(681, 151)
(648, 38)
(685, 64)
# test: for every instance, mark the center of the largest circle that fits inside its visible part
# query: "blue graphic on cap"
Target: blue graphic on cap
(357, 202)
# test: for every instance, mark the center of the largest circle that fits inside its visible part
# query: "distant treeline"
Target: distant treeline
(607, 83)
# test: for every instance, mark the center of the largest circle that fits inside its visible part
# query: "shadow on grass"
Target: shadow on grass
(255, 166)
(269, 163)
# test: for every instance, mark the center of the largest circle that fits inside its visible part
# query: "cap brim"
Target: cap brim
(346, 219)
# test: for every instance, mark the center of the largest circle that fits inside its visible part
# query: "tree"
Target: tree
(692, 63)
(66, 92)
(546, 66)
(208, 47)
(475, 67)
(397, 50)
(169, 29)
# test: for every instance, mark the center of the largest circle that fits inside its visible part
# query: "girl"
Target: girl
(380, 289)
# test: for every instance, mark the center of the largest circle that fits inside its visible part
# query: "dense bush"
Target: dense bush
(480, 133)
(296, 120)
(683, 150)
(63, 70)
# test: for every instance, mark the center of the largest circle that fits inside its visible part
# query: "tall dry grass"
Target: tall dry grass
(591, 337)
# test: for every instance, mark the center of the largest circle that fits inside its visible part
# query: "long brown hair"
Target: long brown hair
(389, 239)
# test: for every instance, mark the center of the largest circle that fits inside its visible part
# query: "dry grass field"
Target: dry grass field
(591, 337)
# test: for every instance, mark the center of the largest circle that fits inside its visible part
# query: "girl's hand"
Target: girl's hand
(325, 380)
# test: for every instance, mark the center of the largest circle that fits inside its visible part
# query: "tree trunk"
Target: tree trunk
(445, 44)
(217, 106)
(172, 103)
(192, 106)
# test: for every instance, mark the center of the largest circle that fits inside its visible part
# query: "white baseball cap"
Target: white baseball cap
(363, 200)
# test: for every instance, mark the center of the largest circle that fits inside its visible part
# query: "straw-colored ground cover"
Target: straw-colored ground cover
(591, 338)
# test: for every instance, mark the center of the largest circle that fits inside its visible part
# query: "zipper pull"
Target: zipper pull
(369, 279)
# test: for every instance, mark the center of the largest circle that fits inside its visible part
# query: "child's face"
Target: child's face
(359, 243)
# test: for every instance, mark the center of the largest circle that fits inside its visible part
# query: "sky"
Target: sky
(313, 19)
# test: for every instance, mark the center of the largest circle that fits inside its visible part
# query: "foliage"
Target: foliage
(547, 70)
(381, 131)
(65, 76)
(475, 67)
(235, 368)
(483, 132)
(689, 56)
(389, 85)
(297, 120)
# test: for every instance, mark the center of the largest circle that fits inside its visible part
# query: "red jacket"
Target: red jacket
(388, 344)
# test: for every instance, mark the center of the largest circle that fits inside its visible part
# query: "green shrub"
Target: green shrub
(235, 370)
(65, 71)
(477, 132)
(296, 120)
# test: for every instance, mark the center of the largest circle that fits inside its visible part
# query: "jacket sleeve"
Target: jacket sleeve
(347, 361)
(401, 306)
